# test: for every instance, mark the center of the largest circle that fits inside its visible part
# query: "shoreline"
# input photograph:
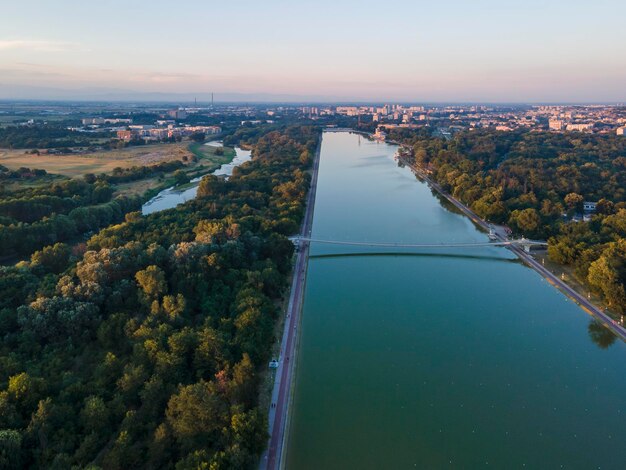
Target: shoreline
(586, 305)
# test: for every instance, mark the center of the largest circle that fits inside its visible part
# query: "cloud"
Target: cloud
(35, 45)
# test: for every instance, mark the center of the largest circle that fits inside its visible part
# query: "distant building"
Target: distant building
(380, 134)
(93, 121)
(118, 121)
(580, 127)
(177, 114)
(589, 206)
(621, 131)
(556, 124)
(348, 110)
(126, 135)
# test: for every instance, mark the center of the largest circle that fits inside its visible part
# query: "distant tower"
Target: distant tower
(211, 100)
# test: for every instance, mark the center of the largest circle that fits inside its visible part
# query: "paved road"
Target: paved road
(585, 304)
(271, 459)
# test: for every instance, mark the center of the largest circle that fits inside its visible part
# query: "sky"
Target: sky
(346, 50)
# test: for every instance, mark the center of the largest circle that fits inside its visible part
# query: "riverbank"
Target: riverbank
(418, 358)
(280, 405)
(173, 195)
(586, 304)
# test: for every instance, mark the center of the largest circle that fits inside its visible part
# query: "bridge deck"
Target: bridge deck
(522, 242)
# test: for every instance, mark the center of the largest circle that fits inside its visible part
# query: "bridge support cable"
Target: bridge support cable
(521, 242)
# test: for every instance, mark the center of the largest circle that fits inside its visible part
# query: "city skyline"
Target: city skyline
(486, 51)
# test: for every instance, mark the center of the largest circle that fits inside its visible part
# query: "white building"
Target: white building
(177, 114)
(589, 206)
(93, 121)
(580, 127)
(556, 124)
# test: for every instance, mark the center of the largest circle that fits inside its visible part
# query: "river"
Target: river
(447, 358)
(171, 197)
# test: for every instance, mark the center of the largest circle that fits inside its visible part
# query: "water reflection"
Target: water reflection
(415, 358)
(600, 334)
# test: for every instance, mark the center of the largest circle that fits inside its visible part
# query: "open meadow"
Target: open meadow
(95, 162)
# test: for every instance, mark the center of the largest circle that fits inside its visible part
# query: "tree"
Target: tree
(180, 177)
(196, 414)
(574, 201)
(211, 185)
(198, 136)
(58, 318)
(561, 251)
(604, 277)
(526, 221)
(605, 207)
(10, 449)
(152, 282)
(53, 258)
(243, 384)
(25, 391)
(213, 231)
(95, 415)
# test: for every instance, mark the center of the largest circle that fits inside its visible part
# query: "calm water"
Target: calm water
(445, 359)
(171, 197)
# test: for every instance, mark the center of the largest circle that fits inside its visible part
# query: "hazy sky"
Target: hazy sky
(454, 50)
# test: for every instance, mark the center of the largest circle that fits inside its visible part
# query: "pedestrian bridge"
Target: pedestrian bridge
(524, 243)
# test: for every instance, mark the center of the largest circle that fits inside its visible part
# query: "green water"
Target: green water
(449, 358)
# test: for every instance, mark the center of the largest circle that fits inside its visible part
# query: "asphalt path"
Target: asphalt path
(272, 457)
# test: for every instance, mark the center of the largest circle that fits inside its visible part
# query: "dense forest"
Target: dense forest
(32, 218)
(536, 182)
(143, 349)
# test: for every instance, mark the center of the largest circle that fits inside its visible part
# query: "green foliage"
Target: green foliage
(529, 180)
(45, 136)
(10, 449)
(57, 318)
(53, 258)
(31, 219)
(144, 352)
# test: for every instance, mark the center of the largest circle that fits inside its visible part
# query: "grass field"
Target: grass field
(207, 161)
(97, 162)
(73, 166)
(201, 150)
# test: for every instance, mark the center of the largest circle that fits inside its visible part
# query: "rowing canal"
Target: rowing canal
(447, 358)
